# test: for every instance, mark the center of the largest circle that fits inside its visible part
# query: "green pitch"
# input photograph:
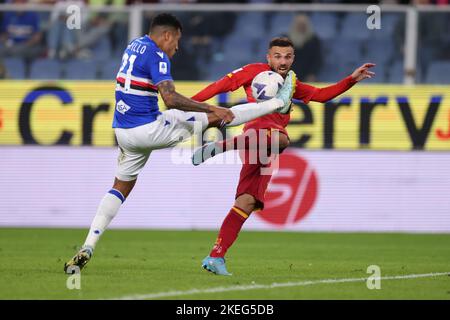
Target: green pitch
(153, 263)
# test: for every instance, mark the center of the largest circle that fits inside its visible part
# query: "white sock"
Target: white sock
(249, 111)
(107, 210)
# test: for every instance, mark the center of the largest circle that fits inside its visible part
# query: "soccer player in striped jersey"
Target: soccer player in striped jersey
(253, 181)
(141, 128)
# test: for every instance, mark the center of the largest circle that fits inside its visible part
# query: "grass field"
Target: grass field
(153, 263)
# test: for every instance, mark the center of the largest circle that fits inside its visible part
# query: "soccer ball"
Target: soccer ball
(266, 85)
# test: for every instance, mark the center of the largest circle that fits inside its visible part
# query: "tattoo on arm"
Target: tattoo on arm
(174, 100)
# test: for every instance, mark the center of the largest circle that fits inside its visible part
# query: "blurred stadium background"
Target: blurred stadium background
(376, 159)
(338, 38)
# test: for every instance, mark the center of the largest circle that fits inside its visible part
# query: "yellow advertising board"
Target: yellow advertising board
(374, 117)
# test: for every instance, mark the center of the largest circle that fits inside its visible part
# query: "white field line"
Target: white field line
(177, 293)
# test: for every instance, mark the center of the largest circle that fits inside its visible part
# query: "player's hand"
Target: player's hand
(223, 114)
(363, 72)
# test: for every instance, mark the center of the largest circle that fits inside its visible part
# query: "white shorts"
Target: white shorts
(136, 144)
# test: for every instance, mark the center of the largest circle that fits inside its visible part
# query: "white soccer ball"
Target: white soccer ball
(266, 85)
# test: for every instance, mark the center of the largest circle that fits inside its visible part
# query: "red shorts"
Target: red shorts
(252, 182)
(254, 178)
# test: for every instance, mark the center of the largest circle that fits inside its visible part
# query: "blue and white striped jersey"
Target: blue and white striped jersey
(144, 66)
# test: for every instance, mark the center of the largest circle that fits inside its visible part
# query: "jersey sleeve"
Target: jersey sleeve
(159, 67)
(231, 82)
(243, 76)
(222, 85)
(307, 93)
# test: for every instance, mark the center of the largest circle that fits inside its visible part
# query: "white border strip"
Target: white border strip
(176, 293)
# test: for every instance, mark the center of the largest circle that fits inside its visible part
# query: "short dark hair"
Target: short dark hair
(167, 20)
(281, 42)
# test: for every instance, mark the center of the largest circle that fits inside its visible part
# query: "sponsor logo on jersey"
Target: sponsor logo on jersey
(122, 107)
(161, 54)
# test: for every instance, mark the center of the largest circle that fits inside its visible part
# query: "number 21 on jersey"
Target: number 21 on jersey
(125, 59)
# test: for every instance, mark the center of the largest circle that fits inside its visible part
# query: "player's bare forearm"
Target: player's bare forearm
(174, 100)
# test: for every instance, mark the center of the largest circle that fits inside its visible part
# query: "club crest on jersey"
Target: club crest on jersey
(122, 107)
(163, 67)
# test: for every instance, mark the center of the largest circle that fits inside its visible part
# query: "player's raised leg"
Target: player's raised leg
(245, 141)
(249, 111)
(244, 113)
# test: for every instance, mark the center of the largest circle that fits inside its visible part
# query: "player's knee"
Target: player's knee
(246, 202)
(283, 142)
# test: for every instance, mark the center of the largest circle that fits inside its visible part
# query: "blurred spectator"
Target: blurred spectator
(359, 1)
(20, 35)
(184, 65)
(1, 12)
(295, 1)
(98, 27)
(117, 21)
(433, 41)
(204, 33)
(130, 2)
(61, 41)
(308, 53)
(3, 71)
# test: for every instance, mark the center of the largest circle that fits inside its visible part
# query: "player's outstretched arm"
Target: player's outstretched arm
(219, 86)
(174, 100)
(311, 93)
(231, 82)
(363, 72)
